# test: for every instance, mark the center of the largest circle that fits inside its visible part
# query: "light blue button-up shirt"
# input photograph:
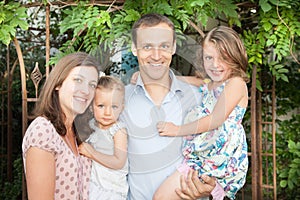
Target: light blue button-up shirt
(152, 158)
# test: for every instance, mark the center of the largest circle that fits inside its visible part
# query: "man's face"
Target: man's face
(154, 49)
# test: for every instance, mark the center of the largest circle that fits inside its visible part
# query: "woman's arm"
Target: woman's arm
(235, 93)
(115, 161)
(40, 174)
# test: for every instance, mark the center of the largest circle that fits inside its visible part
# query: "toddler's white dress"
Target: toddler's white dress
(105, 183)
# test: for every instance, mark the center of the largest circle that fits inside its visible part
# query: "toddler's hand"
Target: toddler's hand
(167, 129)
(86, 149)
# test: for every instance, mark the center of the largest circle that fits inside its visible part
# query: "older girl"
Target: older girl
(215, 141)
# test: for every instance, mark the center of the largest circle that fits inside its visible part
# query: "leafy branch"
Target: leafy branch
(11, 17)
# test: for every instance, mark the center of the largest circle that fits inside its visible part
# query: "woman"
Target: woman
(53, 167)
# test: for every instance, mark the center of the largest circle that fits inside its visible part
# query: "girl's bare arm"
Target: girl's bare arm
(115, 161)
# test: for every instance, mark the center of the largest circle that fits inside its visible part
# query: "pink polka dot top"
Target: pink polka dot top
(72, 171)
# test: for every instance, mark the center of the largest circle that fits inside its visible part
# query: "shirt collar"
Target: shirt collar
(175, 86)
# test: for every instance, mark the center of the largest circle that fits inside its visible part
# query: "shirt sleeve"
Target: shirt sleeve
(42, 134)
(116, 127)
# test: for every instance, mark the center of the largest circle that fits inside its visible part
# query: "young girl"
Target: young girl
(215, 141)
(53, 167)
(107, 145)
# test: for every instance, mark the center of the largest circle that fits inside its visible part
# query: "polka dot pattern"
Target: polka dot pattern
(72, 172)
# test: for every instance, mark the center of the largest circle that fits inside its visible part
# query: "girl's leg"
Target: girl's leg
(167, 189)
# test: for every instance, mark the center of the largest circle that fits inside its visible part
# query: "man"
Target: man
(157, 96)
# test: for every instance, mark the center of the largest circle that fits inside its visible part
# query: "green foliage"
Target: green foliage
(12, 190)
(291, 174)
(288, 93)
(122, 22)
(272, 41)
(289, 161)
(255, 52)
(278, 26)
(87, 24)
(91, 26)
(12, 16)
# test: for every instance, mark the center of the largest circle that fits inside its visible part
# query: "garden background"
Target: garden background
(34, 34)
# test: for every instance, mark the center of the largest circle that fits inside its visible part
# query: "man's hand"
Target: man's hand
(194, 188)
(167, 129)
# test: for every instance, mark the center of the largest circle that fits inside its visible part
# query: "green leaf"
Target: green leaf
(283, 174)
(251, 59)
(4, 36)
(297, 160)
(291, 144)
(265, 6)
(269, 42)
(23, 25)
(290, 184)
(283, 183)
(267, 26)
(200, 3)
(132, 15)
(274, 21)
(283, 71)
(258, 85)
(295, 166)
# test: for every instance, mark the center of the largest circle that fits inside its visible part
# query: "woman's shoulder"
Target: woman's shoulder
(40, 123)
(40, 133)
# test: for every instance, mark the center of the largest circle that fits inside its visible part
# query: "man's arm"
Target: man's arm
(193, 80)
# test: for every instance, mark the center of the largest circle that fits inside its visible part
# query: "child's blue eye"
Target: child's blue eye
(115, 107)
(208, 57)
(100, 106)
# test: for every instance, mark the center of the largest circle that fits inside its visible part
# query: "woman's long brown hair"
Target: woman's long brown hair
(48, 104)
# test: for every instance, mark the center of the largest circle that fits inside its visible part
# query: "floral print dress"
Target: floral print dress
(222, 152)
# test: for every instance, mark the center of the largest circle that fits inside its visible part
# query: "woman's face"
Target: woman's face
(78, 90)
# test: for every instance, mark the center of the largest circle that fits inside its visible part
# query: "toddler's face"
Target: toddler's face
(107, 106)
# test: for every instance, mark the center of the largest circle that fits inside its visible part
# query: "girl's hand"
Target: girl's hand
(86, 149)
(167, 129)
(134, 77)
